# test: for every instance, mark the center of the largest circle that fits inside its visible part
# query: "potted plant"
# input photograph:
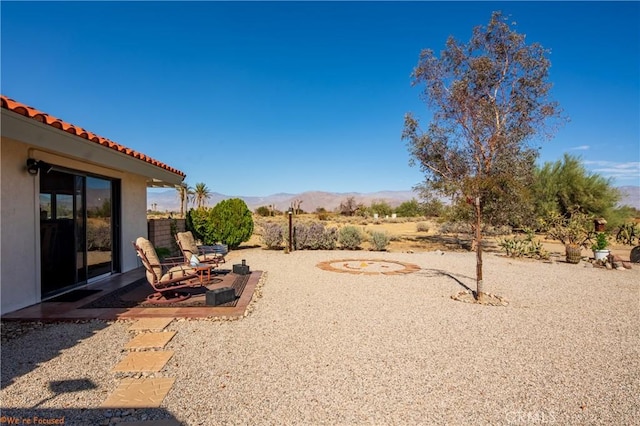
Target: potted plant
(574, 230)
(599, 247)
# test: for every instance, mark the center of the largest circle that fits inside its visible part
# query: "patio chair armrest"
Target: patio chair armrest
(167, 266)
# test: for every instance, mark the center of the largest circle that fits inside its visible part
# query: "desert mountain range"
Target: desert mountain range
(168, 200)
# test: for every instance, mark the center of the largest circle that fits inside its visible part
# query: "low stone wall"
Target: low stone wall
(161, 233)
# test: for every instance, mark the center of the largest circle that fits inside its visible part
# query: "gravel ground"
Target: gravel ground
(329, 348)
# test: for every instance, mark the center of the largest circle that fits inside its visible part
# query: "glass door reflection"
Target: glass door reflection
(99, 226)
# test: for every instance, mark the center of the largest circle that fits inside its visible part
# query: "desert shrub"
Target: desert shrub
(263, 211)
(379, 240)
(455, 228)
(350, 237)
(628, 233)
(523, 246)
(230, 222)
(98, 234)
(616, 218)
(493, 231)
(314, 236)
(322, 213)
(272, 235)
(300, 235)
(422, 227)
(329, 239)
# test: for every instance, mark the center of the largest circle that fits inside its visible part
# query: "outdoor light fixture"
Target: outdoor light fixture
(34, 166)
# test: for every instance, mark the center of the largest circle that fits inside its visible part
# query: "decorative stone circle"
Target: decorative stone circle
(368, 266)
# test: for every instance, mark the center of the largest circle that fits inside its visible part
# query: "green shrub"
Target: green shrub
(601, 242)
(410, 209)
(382, 208)
(350, 237)
(230, 222)
(379, 240)
(196, 222)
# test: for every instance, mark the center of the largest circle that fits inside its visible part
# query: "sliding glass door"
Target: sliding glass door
(99, 230)
(78, 222)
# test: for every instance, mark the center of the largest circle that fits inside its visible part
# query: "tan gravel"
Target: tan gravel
(324, 347)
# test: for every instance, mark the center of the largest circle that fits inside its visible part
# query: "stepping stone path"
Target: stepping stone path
(146, 356)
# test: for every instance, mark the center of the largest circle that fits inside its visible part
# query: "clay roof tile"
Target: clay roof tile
(33, 113)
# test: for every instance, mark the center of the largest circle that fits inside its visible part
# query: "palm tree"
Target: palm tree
(201, 194)
(185, 192)
(191, 196)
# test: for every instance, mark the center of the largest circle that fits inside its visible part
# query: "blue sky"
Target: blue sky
(256, 98)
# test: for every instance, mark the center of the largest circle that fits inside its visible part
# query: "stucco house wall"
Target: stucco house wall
(19, 260)
(23, 138)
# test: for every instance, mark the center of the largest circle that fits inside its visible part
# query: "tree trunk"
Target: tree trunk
(478, 237)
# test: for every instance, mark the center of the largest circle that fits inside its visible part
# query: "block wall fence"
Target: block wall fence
(161, 233)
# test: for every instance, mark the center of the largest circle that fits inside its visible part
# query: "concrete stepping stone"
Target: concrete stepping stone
(139, 393)
(144, 361)
(150, 340)
(150, 324)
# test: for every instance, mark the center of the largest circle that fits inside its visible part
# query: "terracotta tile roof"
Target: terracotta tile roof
(42, 117)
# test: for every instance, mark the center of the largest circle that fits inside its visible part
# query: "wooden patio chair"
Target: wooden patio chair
(166, 278)
(194, 254)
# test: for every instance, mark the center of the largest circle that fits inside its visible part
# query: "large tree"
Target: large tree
(488, 98)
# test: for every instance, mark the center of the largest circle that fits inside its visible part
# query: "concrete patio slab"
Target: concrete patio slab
(139, 393)
(144, 361)
(150, 340)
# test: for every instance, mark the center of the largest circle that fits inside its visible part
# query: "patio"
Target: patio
(75, 310)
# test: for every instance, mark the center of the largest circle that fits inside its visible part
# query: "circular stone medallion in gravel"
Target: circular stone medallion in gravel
(368, 266)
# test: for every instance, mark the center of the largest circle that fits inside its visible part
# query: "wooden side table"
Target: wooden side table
(204, 269)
